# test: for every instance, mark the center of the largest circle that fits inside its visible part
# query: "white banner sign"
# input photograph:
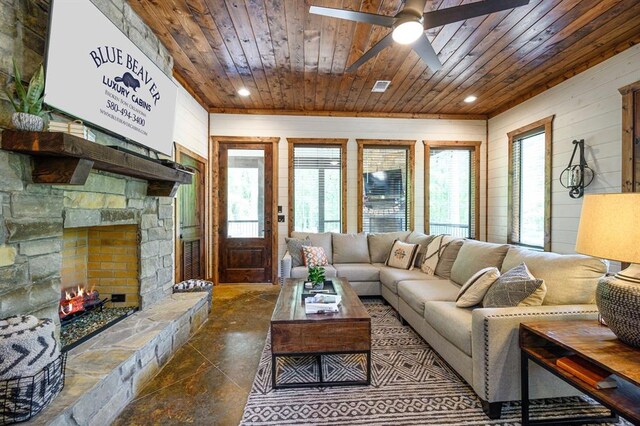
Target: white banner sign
(95, 73)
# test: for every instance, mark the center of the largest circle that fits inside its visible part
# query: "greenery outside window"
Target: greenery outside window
(317, 185)
(452, 186)
(530, 185)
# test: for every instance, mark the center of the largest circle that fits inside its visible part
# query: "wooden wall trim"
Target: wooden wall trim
(474, 146)
(628, 149)
(367, 114)
(389, 143)
(214, 147)
(180, 150)
(546, 124)
(342, 143)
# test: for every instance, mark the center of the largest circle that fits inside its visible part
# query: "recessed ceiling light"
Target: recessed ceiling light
(244, 92)
(470, 99)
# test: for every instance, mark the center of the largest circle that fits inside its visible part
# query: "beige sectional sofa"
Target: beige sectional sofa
(481, 344)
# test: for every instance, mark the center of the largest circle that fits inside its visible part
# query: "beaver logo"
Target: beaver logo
(129, 81)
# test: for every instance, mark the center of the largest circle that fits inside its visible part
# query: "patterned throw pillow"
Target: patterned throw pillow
(474, 290)
(402, 255)
(314, 256)
(516, 287)
(294, 247)
(433, 253)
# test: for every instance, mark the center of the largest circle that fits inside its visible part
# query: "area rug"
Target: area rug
(411, 385)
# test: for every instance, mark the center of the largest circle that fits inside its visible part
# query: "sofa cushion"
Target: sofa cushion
(294, 247)
(390, 277)
(454, 324)
(322, 239)
(570, 278)
(350, 248)
(423, 241)
(380, 244)
(303, 272)
(358, 271)
(474, 256)
(448, 257)
(416, 293)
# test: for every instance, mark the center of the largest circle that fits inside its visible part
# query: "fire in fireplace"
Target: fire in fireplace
(78, 301)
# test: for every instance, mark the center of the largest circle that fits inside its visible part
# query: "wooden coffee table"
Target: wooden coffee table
(294, 333)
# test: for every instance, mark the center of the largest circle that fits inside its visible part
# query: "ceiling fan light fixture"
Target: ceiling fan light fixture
(407, 32)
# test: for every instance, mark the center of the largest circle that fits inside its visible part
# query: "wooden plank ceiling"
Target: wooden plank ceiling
(293, 61)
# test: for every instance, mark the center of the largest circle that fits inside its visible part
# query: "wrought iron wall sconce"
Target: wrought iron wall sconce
(576, 177)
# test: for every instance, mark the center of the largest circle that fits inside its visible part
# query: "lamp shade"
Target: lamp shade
(610, 227)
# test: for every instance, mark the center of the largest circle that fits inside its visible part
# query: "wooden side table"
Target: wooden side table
(545, 342)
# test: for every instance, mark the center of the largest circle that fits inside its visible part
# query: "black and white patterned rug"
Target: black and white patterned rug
(411, 385)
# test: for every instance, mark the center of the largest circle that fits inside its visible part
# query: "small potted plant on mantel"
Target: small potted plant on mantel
(27, 102)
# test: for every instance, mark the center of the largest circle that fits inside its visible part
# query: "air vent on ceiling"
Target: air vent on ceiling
(381, 85)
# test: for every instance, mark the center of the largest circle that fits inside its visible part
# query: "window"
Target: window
(452, 187)
(385, 187)
(317, 185)
(530, 185)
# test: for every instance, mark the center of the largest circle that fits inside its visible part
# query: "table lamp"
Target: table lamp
(610, 229)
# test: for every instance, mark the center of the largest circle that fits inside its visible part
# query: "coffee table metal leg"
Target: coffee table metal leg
(273, 371)
(319, 361)
(368, 367)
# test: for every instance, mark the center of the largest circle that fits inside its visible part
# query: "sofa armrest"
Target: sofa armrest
(496, 350)
(285, 267)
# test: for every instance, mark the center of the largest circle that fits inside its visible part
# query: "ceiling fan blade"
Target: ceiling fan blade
(351, 15)
(377, 48)
(423, 47)
(449, 15)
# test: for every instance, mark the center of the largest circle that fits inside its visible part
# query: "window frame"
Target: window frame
(630, 129)
(410, 146)
(545, 126)
(321, 143)
(474, 147)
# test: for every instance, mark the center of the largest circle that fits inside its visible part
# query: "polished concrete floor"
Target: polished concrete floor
(208, 380)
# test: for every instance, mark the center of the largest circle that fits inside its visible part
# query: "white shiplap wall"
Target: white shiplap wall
(587, 106)
(351, 128)
(192, 121)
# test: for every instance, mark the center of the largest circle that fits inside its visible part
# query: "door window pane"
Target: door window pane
(385, 206)
(317, 177)
(451, 192)
(245, 193)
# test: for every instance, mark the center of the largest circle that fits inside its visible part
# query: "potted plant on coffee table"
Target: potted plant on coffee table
(316, 276)
(27, 102)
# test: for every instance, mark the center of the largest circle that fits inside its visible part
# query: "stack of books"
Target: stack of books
(322, 304)
(589, 373)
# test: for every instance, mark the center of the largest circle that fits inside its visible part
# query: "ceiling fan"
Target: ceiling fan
(410, 23)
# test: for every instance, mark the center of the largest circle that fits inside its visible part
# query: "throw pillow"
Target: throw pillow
(294, 247)
(402, 255)
(314, 256)
(434, 253)
(516, 287)
(380, 244)
(350, 248)
(423, 241)
(474, 290)
(448, 255)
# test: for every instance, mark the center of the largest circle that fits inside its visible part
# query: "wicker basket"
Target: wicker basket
(24, 397)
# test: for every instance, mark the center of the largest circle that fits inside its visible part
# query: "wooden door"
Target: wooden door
(190, 217)
(245, 213)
